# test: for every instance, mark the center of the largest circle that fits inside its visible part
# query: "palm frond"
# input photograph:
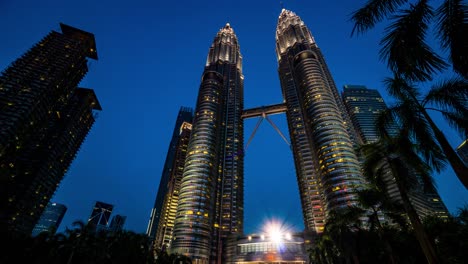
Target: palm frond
(387, 124)
(404, 46)
(373, 12)
(450, 95)
(427, 146)
(400, 88)
(452, 29)
(421, 169)
(416, 128)
(373, 159)
(457, 122)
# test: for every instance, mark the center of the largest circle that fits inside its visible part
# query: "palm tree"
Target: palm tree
(80, 239)
(404, 46)
(324, 250)
(376, 201)
(398, 154)
(343, 226)
(450, 99)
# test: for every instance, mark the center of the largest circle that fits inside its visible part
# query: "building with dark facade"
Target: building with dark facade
(211, 192)
(117, 223)
(364, 106)
(185, 115)
(322, 136)
(168, 211)
(44, 119)
(100, 216)
(50, 219)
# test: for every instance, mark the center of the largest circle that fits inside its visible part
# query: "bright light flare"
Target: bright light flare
(277, 231)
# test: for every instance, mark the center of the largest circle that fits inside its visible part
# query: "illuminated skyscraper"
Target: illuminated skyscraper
(50, 219)
(211, 204)
(100, 216)
(168, 210)
(44, 119)
(364, 106)
(322, 137)
(185, 115)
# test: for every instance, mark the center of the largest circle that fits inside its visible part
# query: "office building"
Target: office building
(185, 115)
(364, 106)
(50, 219)
(43, 122)
(100, 216)
(117, 223)
(169, 208)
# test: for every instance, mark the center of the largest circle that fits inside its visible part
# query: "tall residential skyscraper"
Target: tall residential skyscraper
(168, 211)
(185, 115)
(364, 106)
(44, 119)
(322, 137)
(50, 219)
(211, 204)
(100, 216)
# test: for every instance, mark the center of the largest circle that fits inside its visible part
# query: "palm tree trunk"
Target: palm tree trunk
(421, 235)
(460, 169)
(380, 233)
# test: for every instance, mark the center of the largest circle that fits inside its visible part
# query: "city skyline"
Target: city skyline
(262, 87)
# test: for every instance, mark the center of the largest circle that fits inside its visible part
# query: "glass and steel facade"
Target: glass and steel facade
(211, 193)
(50, 219)
(117, 223)
(100, 216)
(169, 208)
(364, 106)
(322, 136)
(44, 119)
(185, 115)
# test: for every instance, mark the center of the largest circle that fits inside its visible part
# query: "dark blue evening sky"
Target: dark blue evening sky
(151, 56)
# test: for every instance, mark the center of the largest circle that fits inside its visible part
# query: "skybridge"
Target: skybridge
(263, 112)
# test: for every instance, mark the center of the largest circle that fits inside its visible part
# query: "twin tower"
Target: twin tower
(210, 197)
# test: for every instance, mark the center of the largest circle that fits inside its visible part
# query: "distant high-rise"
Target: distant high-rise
(169, 208)
(364, 106)
(462, 151)
(100, 216)
(117, 223)
(211, 204)
(322, 137)
(50, 219)
(44, 119)
(185, 115)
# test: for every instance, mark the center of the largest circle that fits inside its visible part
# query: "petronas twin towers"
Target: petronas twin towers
(210, 198)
